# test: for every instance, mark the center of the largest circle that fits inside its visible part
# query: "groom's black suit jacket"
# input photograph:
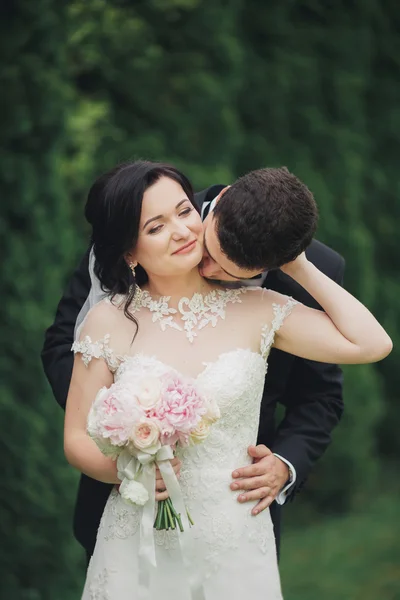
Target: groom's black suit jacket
(310, 392)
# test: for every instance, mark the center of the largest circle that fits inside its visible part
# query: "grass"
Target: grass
(355, 557)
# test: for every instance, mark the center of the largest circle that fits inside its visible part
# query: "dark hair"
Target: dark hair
(113, 209)
(265, 219)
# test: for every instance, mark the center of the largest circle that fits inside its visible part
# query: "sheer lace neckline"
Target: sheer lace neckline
(192, 314)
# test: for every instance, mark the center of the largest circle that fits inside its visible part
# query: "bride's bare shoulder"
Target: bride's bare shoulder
(263, 302)
(104, 317)
(260, 295)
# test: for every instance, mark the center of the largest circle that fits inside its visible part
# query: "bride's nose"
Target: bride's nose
(180, 231)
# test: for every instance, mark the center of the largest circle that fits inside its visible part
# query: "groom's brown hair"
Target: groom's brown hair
(265, 219)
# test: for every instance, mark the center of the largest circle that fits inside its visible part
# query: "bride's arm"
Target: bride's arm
(80, 450)
(346, 333)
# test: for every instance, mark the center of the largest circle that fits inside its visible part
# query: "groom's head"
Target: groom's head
(264, 220)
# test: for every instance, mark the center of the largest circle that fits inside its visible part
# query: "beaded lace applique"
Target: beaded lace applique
(196, 312)
(268, 331)
(98, 349)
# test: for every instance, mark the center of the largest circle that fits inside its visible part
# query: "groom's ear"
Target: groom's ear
(222, 192)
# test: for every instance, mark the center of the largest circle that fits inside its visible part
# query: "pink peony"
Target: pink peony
(113, 414)
(180, 409)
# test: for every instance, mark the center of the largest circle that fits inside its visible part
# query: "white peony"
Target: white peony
(134, 492)
(148, 392)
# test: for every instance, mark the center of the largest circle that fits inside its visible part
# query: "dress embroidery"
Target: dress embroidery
(98, 587)
(196, 312)
(99, 349)
(119, 520)
(268, 332)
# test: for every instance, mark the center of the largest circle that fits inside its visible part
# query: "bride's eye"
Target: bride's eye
(185, 212)
(155, 229)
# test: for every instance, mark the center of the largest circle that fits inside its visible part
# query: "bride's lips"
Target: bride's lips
(186, 248)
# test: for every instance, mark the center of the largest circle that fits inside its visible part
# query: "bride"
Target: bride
(147, 232)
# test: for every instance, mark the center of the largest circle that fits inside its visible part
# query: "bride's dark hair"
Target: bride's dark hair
(113, 209)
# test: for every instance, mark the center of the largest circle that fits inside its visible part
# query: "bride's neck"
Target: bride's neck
(179, 286)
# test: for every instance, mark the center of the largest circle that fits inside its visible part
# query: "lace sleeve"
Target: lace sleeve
(280, 312)
(99, 349)
(94, 341)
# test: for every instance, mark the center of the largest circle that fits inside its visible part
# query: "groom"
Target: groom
(247, 228)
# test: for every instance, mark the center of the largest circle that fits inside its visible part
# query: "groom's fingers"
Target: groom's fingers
(258, 452)
(258, 494)
(262, 505)
(250, 471)
(254, 482)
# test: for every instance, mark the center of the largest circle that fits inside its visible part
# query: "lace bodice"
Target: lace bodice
(196, 312)
(160, 334)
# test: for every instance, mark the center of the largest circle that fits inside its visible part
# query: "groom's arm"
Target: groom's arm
(313, 407)
(57, 358)
(313, 401)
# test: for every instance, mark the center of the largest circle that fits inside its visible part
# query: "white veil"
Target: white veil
(96, 294)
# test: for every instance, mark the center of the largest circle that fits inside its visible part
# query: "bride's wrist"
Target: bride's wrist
(299, 268)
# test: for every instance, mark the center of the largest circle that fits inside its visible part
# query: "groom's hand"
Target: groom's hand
(262, 480)
(161, 492)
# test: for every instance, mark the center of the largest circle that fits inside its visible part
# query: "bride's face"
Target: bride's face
(170, 240)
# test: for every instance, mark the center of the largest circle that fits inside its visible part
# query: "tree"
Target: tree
(39, 557)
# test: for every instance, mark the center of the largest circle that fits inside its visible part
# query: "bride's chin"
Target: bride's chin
(193, 266)
(193, 262)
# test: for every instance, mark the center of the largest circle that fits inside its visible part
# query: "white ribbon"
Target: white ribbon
(141, 467)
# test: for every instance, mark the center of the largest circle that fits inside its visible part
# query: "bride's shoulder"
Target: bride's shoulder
(257, 295)
(104, 317)
(264, 301)
(103, 333)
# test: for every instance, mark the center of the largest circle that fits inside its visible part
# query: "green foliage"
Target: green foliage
(218, 89)
(35, 243)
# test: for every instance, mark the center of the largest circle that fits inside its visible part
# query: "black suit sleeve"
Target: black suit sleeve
(314, 405)
(57, 357)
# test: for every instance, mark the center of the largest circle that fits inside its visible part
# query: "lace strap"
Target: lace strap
(268, 331)
(98, 349)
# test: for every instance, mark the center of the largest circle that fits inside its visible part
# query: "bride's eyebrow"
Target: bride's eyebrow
(161, 216)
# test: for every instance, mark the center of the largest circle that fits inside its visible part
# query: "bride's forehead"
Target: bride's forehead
(165, 194)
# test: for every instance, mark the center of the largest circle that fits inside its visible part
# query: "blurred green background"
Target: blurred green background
(217, 88)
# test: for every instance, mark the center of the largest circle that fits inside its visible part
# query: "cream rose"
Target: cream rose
(149, 392)
(145, 435)
(201, 432)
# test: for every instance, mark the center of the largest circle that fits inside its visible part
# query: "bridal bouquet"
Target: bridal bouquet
(139, 422)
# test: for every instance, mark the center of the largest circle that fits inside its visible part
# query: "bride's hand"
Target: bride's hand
(161, 492)
(295, 266)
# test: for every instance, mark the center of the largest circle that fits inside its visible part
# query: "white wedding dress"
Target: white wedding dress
(230, 553)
